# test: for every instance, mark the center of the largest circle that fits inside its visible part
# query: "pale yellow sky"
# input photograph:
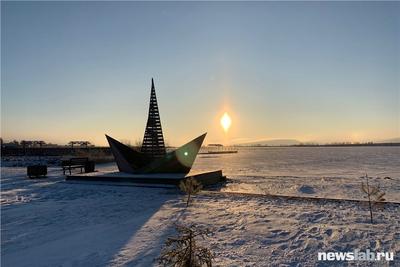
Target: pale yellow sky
(326, 72)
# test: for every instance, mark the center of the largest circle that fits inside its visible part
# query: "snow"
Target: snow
(325, 187)
(50, 222)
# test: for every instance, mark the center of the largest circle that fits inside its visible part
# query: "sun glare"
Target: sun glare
(226, 122)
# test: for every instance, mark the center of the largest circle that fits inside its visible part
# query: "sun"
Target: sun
(226, 122)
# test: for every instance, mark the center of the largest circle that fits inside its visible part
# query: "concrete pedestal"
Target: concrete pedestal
(205, 178)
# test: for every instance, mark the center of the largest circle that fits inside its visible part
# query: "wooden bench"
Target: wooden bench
(74, 163)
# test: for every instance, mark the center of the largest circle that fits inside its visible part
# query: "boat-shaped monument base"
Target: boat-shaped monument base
(205, 178)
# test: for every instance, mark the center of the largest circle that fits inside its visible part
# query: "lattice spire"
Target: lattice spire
(153, 141)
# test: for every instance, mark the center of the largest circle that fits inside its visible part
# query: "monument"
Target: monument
(152, 157)
(152, 163)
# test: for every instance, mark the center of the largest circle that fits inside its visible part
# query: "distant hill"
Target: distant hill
(392, 140)
(273, 142)
(291, 142)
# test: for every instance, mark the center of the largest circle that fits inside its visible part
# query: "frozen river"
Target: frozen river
(307, 162)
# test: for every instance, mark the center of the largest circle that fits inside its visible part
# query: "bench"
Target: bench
(74, 163)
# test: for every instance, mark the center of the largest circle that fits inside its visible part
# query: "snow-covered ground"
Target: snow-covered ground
(325, 187)
(49, 222)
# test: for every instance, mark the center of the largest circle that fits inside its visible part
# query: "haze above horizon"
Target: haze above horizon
(310, 71)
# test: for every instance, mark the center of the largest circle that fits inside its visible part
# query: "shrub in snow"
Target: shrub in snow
(373, 193)
(191, 187)
(183, 250)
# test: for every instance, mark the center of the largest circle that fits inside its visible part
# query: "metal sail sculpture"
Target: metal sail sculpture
(152, 157)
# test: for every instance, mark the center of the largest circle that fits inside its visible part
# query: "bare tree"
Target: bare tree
(39, 143)
(84, 144)
(374, 194)
(183, 251)
(191, 187)
(167, 143)
(138, 143)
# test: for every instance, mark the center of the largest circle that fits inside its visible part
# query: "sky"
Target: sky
(311, 71)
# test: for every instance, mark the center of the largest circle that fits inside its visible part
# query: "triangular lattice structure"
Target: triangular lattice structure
(153, 141)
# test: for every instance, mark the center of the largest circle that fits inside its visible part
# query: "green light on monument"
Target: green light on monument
(185, 153)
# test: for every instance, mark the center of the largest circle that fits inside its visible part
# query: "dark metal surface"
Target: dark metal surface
(177, 161)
